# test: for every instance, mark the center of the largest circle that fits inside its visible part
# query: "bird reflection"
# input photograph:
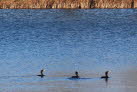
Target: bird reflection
(105, 77)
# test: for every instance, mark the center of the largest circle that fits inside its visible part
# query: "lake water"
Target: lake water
(62, 41)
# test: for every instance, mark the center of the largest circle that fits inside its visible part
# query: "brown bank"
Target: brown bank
(36, 4)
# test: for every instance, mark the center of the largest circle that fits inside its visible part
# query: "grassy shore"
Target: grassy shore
(36, 4)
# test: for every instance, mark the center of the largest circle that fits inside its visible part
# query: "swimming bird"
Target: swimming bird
(77, 76)
(106, 75)
(41, 73)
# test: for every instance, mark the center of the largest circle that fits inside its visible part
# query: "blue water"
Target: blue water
(63, 41)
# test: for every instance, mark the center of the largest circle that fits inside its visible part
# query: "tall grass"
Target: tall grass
(68, 4)
(113, 3)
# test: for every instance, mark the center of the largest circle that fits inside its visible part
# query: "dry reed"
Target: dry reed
(13, 4)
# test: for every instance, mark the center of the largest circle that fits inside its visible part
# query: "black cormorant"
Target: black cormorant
(41, 73)
(77, 76)
(106, 75)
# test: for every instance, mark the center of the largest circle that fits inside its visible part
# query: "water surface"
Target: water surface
(62, 41)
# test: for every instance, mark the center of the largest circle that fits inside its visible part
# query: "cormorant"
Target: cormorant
(77, 76)
(41, 73)
(106, 75)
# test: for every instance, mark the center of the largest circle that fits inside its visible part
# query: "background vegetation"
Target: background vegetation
(9, 4)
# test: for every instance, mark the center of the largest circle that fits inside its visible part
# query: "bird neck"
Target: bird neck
(41, 72)
(76, 74)
(106, 74)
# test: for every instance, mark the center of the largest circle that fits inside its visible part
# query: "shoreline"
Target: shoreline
(68, 4)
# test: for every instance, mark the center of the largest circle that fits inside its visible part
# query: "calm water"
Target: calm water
(63, 41)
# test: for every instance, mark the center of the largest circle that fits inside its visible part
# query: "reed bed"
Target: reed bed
(36, 4)
(114, 4)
